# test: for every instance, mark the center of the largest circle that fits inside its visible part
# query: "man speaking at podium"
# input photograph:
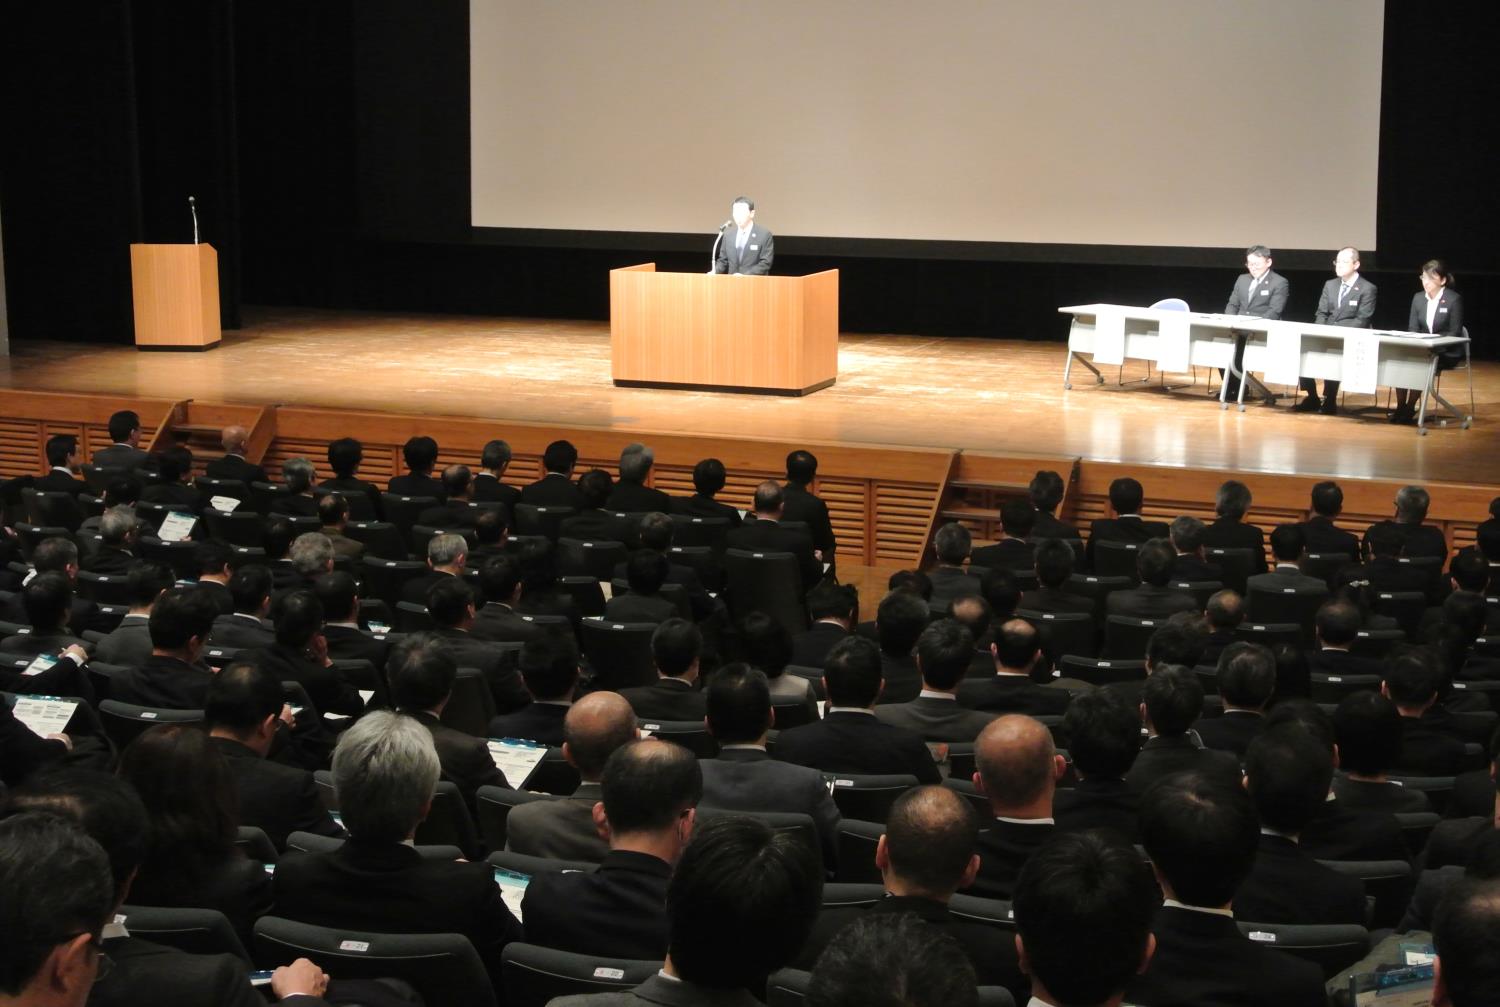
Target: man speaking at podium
(747, 248)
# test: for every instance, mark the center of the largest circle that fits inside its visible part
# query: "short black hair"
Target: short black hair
(1046, 490)
(892, 960)
(899, 620)
(242, 696)
(1054, 562)
(173, 463)
(495, 454)
(1177, 642)
(1154, 561)
(709, 476)
(344, 456)
(59, 446)
(180, 614)
(332, 508)
(801, 467)
(421, 671)
(1186, 533)
(944, 651)
(212, 556)
(852, 672)
(122, 490)
(559, 456)
(448, 599)
(1368, 728)
(595, 485)
(1017, 517)
(1288, 774)
(549, 666)
(1232, 500)
(299, 617)
(828, 600)
(738, 704)
(1338, 622)
(656, 530)
(648, 784)
(122, 424)
(675, 645)
(1384, 540)
(769, 497)
(47, 599)
(1174, 699)
(1201, 832)
(765, 643)
(1307, 717)
(489, 526)
(144, 581)
(499, 578)
(1002, 591)
(1103, 732)
(915, 581)
(105, 806)
(1247, 675)
(1126, 496)
(339, 593)
(1084, 890)
(1463, 934)
(456, 480)
(1327, 499)
(1412, 676)
(1288, 541)
(55, 553)
(646, 571)
(741, 903)
(1017, 643)
(420, 453)
(931, 834)
(249, 587)
(1469, 570)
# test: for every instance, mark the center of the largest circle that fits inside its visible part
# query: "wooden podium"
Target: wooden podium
(771, 334)
(176, 293)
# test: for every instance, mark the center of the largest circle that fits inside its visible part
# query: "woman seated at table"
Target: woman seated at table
(1437, 310)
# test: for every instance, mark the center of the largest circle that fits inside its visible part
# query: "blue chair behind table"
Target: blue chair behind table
(1165, 304)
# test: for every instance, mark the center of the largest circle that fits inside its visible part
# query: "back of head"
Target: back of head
(1017, 644)
(635, 463)
(101, 804)
(122, 424)
(298, 474)
(1126, 496)
(1384, 541)
(116, 525)
(656, 530)
(1084, 890)
(495, 455)
(596, 485)
(189, 793)
(1186, 533)
(1155, 561)
(1307, 717)
(333, 509)
(1173, 699)
(560, 457)
(1177, 642)
(59, 447)
(212, 557)
(953, 544)
(421, 671)
(47, 599)
(1225, 610)
(1201, 833)
(1017, 517)
(1015, 757)
(676, 646)
(930, 834)
(56, 553)
(180, 614)
(1054, 562)
(1412, 676)
(1103, 733)
(279, 535)
(489, 527)
(738, 701)
(1487, 538)
(456, 480)
(1469, 570)
(944, 651)
(769, 497)
(741, 903)
(646, 571)
(1293, 673)
(915, 581)
(1247, 676)
(384, 770)
(973, 613)
(1463, 933)
(311, 554)
(899, 620)
(1232, 500)
(1411, 504)
(1288, 542)
(499, 578)
(1001, 591)
(833, 601)
(1327, 499)
(594, 728)
(174, 463)
(892, 960)
(549, 666)
(1046, 490)
(241, 697)
(1288, 773)
(852, 672)
(249, 587)
(648, 784)
(344, 456)
(446, 550)
(339, 594)
(709, 476)
(765, 644)
(122, 490)
(1338, 623)
(801, 467)
(449, 600)
(1368, 728)
(299, 617)
(420, 454)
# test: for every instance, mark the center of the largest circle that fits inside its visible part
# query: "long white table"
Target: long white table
(1284, 351)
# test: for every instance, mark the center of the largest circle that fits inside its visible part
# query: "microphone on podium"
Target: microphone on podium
(193, 208)
(713, 257)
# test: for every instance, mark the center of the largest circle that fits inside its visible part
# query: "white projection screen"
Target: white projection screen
(1195, 123)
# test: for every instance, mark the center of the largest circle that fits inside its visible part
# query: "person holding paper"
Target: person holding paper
(1439, 311)
(747, 249)
(1260, 293)
(1347, 299)
(22, 751)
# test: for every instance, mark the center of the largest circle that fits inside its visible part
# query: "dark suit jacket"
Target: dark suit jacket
(639, 608)
(1341, 662)
(241, 631)
(846, 742)
(465, 759)
(1232, 732)
(618, 911)
(295, 505)
(1226, 533)
(21, 750)
(163, 682)
(950, 582)
(754, 259)
(699, 505)
(1202, 960)
(277, 799)
(1287, 885)
(415, 590)
(1190, 568)
(1416, 539)
(813, 512)
(1056, 601)
(1267, 301)
(120, 456)
(662, 992)
(1427, 749)
(747, 779)
(769, 536)
(1162, 756)
(562, 829)
(451, 514)
(498, 667)
(1389, 797)
(1007, 554)
(127, 644)
(1048, 526)
(635, 498)
(553, 490)
(233, 884)
(539, 722)
(1449, 320)
(1284, 577)
(1355, 310)
(666, 699)
(223, 600)
(328, 690)
(1323, 536)
(1385, 573)
(1337, 832)
(110, 560)
(935, 719)
(488, 489)
(1473, 794)
(148, 973)
(500, 623)
(236, 467)
(1149, 602)
(1097, 804)
(810, 648)
(1011, 694)
(413, 485)
(390, 888)
(346, 643)
(180, 496)
(593, 525)
(1123, 529)
(58, 481)
(1004, 848)
(1453, 841)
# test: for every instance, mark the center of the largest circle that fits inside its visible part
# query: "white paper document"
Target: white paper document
(176, 527)
(517, 759)
(512, 889)
(45, 714)
(225, 504)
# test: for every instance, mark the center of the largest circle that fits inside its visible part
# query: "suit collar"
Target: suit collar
(636, 863)
(927, 909)
(681, 993)
(743, 755)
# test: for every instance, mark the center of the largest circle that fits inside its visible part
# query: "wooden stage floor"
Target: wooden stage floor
(975, 394)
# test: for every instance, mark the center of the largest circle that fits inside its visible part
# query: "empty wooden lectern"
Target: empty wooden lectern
(771, 334)
(176, 293)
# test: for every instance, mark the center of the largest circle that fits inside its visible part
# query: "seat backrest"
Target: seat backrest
(868, 797)
(691, 531)
(769, 582)
(1271, 634)
(1127, 638)
(196, 931)
(1331, 947)
(532, 519)
(471, 705)
(1237, 564)
(492, 806)
(1064, 632)
(618, 653)
(381, 539)
(256, 844)
(690, 734)
(788, 988)
(443, 968)
(123, 722)
(554, 775)
(589, 558)
(1101, 671)
(449, 823)
(533, 976)
(856, 851)
(522, 863)
(1115, 559)
(402, 511)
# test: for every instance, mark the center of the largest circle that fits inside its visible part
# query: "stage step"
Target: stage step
(989, 485)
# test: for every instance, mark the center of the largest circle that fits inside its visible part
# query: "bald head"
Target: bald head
(234, 440)
(1017, 763)
(595, 726)
(930, 837)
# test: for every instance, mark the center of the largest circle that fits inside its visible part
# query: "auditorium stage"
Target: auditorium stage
(973, 394)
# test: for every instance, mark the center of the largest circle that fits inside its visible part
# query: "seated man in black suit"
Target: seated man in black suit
(119, 529)
(1368, 728)
(949, 578)
(944, 651)
(739, 906)
(631, 494)
(1156, 563)
(310, 556)
(454, 510)
(172, 677)
(1222, 615)
(243, 714)
(1017, 649)
(541, 591)
(62, 457)
(1417, 539)
(655, 532)
(925, 856)
(1179, 643)
(1017, 769)
(124, 452)
(344, 457)
(974, 614)
(1187, 534)
(1247, 681)
(1288, 774)
(1428, 748)
(676, 647)
(493, 461)
(899, 621)
(594, 522)
(555, 488)
(878, 954)
(1104, 738)
(802, 504)
(765, 534)
(1054, 565)
(500, 587)
(129, 644)
(709, 477)
(1201, 833)
(1383, 569)
(420, 455)
(646, 571)
(1229, 530)
(834, 610)
(450, 604)
(333, 516)
(300, 499)
(1014, 551)
(48, 601)
(549, 671)
(491, 535)
(300, 654)
(247, 626)
(1126, 497)
(175, 490)
(214, 573)
(1288, 547)
(1322, 535)
(447, 558)
(1083, 909)
(1046, 492)
(384, 770)
(650, 792)
(1337, 625)
(234, 464)
(595, 727)
(849, 739)
(60, 555)
(421, 672)
(1172, 700)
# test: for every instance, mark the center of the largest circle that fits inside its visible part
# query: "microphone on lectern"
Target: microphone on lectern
(713, 257)
(193, 208)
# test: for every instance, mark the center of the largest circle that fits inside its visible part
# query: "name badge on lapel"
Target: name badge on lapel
(1353, 302)
(1265, 293)
(1442, 311)
(756, 248)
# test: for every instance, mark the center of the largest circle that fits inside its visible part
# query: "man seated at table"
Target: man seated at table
(1260, 293)
(1347, 299)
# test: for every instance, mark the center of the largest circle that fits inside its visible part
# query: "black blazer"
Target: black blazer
(110, 560)
(1162, 756)
(636, 498)
(1004, 848)
(812, 511)
(21, 751)
(1323, 536)
(346, 643)
(857, 743)
(592, 525)
(277, 799)
(1286, 885)
(903, 682)
(1228, 533)
(617, 911)
(58, 481)
(1097, 804)
(1007, 554)
(1390, 797)
(754, 259)
(413, 485)
(935, 719)
(950, 582)
(241, 632)
(770, 536)
(1190, 568)
(452, 514)
(233, 884)
(699, 505)
(414, 591)
(1011, 694)
(1202, 960)
(539, 722)
(1357, 308)
(236, 467)
(666, 699)
(1427, 749)
(1416, 539)
(747, 779)
(149, 973)
(496, 665)
(1149, 602)
(1341, 662)
(1232, 732)
(163, 682)
(327, 689)
(488, 489)
(1048, 526)
(465, 759)
(1056, 601)
(295, 505)
(1336, 832)
(499, 623)
(1449, 320)
(1123, 529)
(810, 648)
(553, 490)
(1267, 301)
(1453, 841)
(120, 456)
(639, 608)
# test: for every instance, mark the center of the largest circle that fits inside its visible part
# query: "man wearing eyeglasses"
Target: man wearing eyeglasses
(1347, 299)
